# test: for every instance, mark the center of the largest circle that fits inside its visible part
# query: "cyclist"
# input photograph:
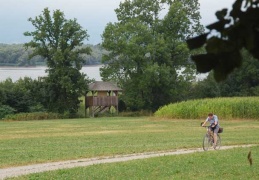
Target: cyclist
(214, 126)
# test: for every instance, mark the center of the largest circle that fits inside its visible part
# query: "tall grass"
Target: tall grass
(226, 108)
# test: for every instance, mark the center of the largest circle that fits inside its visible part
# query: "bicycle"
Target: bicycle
(208, 139)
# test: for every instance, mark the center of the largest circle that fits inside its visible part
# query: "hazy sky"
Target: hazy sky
(92, 15)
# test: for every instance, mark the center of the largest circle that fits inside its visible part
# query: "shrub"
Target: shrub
(122, 106)
(5, 110)
(33, 116)
(135, 113)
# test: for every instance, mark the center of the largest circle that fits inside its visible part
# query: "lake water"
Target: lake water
(15, 73)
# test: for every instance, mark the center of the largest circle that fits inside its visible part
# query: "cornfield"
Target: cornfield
(226, 108)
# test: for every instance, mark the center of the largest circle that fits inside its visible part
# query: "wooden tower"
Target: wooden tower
(101, 97)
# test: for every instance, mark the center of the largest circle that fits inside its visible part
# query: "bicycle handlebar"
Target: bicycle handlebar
(204, 126)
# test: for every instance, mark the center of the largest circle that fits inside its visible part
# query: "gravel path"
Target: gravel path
(35, 168)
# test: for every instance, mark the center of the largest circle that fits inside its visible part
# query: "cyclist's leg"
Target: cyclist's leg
(210, 132)
(216, 130)
(210, 135)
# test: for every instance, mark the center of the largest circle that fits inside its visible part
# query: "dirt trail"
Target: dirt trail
(35, 168)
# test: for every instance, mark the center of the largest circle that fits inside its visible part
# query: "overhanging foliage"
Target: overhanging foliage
(234, 30)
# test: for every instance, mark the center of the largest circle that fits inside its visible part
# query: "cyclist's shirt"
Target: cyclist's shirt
(213, 119)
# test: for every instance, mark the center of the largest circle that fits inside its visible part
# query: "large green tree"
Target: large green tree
(147, 47)
(58, 40)
(234, 30)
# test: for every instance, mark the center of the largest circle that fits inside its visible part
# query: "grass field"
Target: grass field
(30, 142)
(227, 164)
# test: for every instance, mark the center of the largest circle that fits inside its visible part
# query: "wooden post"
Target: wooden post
(85, 105)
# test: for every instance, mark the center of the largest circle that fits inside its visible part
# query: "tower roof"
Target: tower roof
(103, 86)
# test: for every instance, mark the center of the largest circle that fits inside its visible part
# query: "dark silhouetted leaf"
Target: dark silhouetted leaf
(236, 8)
(205, 62)
(234, 32)
(221, 14)
(219, 26)
(253, 41)
(250, 17)
(197, 42)
(255, 53)
(216, 45)
(227, 62)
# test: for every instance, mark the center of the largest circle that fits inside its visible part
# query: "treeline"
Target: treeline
(27, 97)
(21, 96)
(17, 55)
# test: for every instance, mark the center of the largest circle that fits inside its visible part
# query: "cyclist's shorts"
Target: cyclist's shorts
(215, 130)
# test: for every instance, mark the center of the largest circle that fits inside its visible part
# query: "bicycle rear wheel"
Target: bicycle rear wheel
(206, 142)
(218, 144)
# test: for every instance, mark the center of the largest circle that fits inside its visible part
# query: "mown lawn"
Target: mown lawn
(225, 164)
(30, 142)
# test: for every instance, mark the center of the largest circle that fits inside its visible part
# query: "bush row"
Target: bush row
(226, 108)
(33, 116)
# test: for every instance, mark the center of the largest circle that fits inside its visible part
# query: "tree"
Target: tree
(207, 88)
(147, 48)
(232, 32)
(58, 40)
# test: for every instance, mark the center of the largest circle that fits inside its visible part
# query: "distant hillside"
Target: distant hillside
(16, 55)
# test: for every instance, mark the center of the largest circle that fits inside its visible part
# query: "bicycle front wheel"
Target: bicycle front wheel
(206, 142)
